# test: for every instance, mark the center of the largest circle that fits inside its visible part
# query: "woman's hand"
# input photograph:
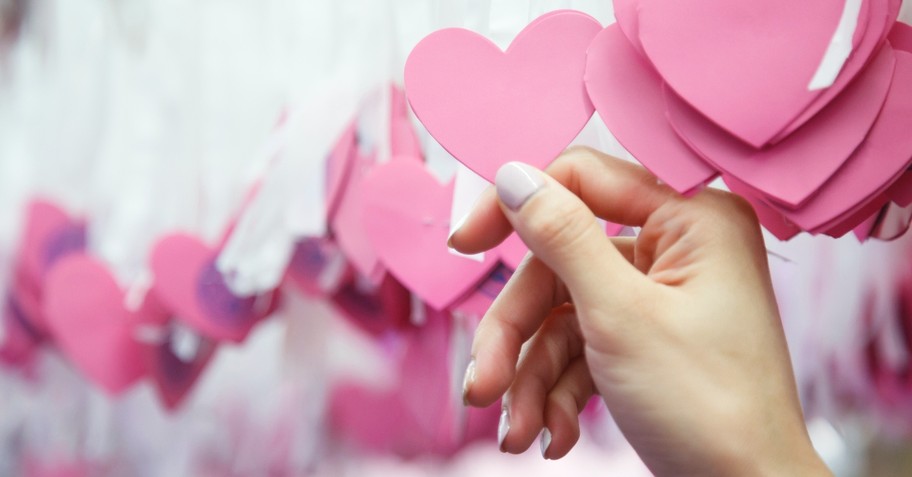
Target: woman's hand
(677, 329)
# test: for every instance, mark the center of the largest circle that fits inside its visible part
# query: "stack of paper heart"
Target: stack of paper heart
(803, 108)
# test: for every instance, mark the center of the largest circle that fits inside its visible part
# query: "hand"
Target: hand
(677, 329)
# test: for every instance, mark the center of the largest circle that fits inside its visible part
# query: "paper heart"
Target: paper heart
(829, 140)
(317, 268)
(406, 218)
(49, 234)
(375, 308)
(629, 101)
(20, 339)
(874, 167)
(90, 324)
(414, 416)
(874, 22)
(348, 223)
(744, 65)
(487, 107)
(189, 284)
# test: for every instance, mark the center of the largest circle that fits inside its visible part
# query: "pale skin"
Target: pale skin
(677, 329)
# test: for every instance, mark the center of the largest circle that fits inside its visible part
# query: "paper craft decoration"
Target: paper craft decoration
(50, 234)
(692, 90)
(90, 324)
(188, 283)
(414, 416)
(488, 107)
(407, 219)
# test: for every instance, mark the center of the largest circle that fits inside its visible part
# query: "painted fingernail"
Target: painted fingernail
(545, 442)
(503, 427)
(516, 182)
(455, 229)
(467, 381)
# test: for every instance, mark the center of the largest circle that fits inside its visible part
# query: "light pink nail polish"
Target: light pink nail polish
(516, 183)
(503, 428)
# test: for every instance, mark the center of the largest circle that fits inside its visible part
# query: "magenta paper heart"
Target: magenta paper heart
(415, 416)
(829, 140)
(317, 268)
(86, 316)
(188, 283)
(172, 374)
(487, 107)
(21, 340)
(376, 309)
(627, 94)
(407, 217)
(745, 65)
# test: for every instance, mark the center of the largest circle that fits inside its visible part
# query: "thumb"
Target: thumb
(562, 232)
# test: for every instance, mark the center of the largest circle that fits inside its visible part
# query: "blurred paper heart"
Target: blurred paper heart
(188, 283)
(90, 324)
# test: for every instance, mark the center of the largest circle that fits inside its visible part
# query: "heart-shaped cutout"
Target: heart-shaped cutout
(375, 308)
(629, 101)
(747, 66)
(811, 156)
(407, 217)
(487, 107)
(85, 313)
(189, 284)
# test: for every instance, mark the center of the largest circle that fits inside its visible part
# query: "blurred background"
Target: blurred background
(223, 130)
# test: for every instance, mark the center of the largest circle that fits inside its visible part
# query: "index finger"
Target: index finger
(614, 189)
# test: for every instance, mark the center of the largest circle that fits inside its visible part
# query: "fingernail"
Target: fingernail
(456, 228)
(467, 381)
(516, 182)
(503, 427)
(545, 442)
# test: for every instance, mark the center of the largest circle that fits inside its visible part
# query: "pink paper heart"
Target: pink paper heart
(414, 417)
(812, 155)
(744, 65)
(884, 156)
(188, 283)
(874, 22)
(406, 217)
(348, 223)
(86, 316)
(49, 235)
(629, 101)
(487, 107)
